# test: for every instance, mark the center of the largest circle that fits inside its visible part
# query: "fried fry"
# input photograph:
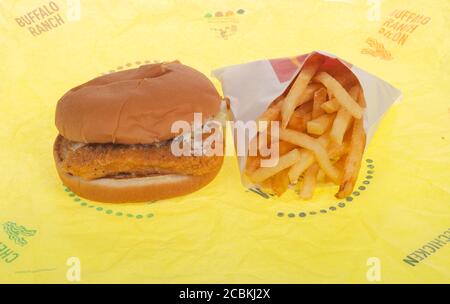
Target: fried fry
(295, 95)
(320, 96)
(298, 121)
(284, 162)
(314, 146)
(272, 113)
(285, 147)
(344, 99)
(353, 160)
(306, 160)
(320, 125)
(330, 106)
(321, 176)
(280, 182)
(343, 119)
(309, 182)
(335, 151)
(305, 108)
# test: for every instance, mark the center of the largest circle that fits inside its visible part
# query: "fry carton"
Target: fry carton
(252, 87)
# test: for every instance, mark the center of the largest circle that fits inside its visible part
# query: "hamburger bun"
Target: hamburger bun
(136, 106)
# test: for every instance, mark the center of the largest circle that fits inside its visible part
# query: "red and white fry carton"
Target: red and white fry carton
(252, 87)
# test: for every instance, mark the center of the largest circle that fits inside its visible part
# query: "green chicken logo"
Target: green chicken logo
(18, 233)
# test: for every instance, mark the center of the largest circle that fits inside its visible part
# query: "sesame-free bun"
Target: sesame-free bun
(128, 190)
(136, 106)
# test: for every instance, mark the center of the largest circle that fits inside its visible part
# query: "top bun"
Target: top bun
(136, 106)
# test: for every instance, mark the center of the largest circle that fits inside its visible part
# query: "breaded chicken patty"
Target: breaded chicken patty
(93, 161)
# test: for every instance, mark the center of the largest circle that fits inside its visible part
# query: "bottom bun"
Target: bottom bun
(139, 189)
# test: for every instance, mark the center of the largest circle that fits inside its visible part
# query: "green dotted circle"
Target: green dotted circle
(108, 211)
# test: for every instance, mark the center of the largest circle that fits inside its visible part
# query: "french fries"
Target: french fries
(343, 120)
(299, 121)
(319, 125)
(335, 151)
(353, 161)
(309, 182)
(306, 160)
(305, 108)
(280, 182)
(342, 96)
(293, 98)
(304, 98)
(321, 177)
(284, 162)
(285, 147)
(315, 147)
(322, 136)
(330, 106)
(272, 113)
(320, 96)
